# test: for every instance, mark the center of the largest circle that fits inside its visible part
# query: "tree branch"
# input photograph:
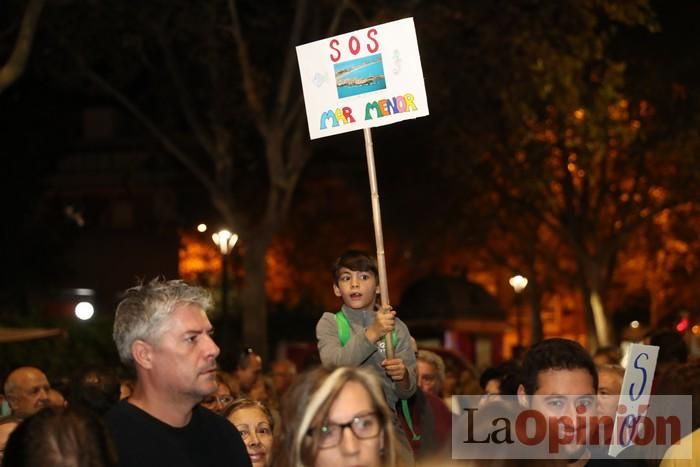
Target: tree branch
(249, 86)
(170, 147)
(17, 63)
(289, 69)
(183, 96)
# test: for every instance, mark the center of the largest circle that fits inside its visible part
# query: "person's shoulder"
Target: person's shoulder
(120, 413)
(128, 425)
(221, 433)
(437, 405)
(326, 318)
(400, 322)
(205, 417)
(402, 327)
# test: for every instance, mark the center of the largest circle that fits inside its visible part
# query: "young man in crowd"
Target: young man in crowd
(560, 380)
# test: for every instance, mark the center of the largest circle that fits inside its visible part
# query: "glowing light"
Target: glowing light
(696, 329)
(518, 283)
(225, 240)
(202, 227)
(579, 114)
(84, 310)
(682, 325)
(634, 324)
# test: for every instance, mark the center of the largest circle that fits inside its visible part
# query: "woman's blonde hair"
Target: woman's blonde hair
(308, 402)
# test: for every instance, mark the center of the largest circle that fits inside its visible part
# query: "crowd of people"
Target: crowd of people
(360, 407)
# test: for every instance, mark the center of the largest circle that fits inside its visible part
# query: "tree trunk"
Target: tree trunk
(597, 322)
(253, 299)
(536, 331)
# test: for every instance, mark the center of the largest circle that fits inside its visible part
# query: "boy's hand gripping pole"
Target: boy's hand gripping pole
(379, 237)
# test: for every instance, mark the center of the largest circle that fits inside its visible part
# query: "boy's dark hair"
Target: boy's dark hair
(555, 354)
(355, 260)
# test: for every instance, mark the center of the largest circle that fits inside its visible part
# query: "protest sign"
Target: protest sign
(362, 79)
(634, 396)
(359, 80)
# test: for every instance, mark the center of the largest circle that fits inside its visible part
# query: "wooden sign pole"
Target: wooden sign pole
(379, 237)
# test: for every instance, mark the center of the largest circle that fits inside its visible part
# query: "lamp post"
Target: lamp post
(225, 240)
(518, 283)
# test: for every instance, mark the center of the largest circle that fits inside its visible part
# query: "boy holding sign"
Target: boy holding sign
(354, 336)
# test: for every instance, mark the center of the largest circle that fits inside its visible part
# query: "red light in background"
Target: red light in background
(682, 325)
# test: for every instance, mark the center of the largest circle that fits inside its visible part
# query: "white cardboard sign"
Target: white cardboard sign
(362, 79)
(634, 395)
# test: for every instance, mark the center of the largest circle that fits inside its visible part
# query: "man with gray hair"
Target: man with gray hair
(161, 330)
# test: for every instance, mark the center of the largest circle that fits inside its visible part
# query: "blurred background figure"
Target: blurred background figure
(60, 437)
(424, 417)
(56, 399)
(282, 373)
(683, 379)
(607, 356)
(224, 395)
(450, 384)
(27, 391)
(7, 426)
(96, 390)
(609, 386)
(430, 369)
(672, 347)
(257, 428)
(126, 388)
(499, 380)
(248, 370)
(469, 382)
(336, 418)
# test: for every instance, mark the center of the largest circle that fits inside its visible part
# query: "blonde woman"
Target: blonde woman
(336, 418)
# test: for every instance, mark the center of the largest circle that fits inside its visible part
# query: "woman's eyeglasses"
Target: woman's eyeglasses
(363, 426)
(222, 400)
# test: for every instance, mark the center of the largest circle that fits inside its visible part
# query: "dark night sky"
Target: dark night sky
(41, 121)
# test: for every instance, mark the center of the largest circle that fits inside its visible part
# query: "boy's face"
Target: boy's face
(357, 289)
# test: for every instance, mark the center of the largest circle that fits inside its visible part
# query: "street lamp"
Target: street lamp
(518, 283)
(84, 310)
(225, 240)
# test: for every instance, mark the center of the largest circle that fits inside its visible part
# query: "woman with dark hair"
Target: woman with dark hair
(256, 425)
(60, 437)
(336, 418)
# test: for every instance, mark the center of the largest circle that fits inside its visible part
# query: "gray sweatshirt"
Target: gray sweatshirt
(360, 352)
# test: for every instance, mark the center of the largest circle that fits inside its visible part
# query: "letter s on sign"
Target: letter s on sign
(370, 35)
(334, 45)
(644, 377)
